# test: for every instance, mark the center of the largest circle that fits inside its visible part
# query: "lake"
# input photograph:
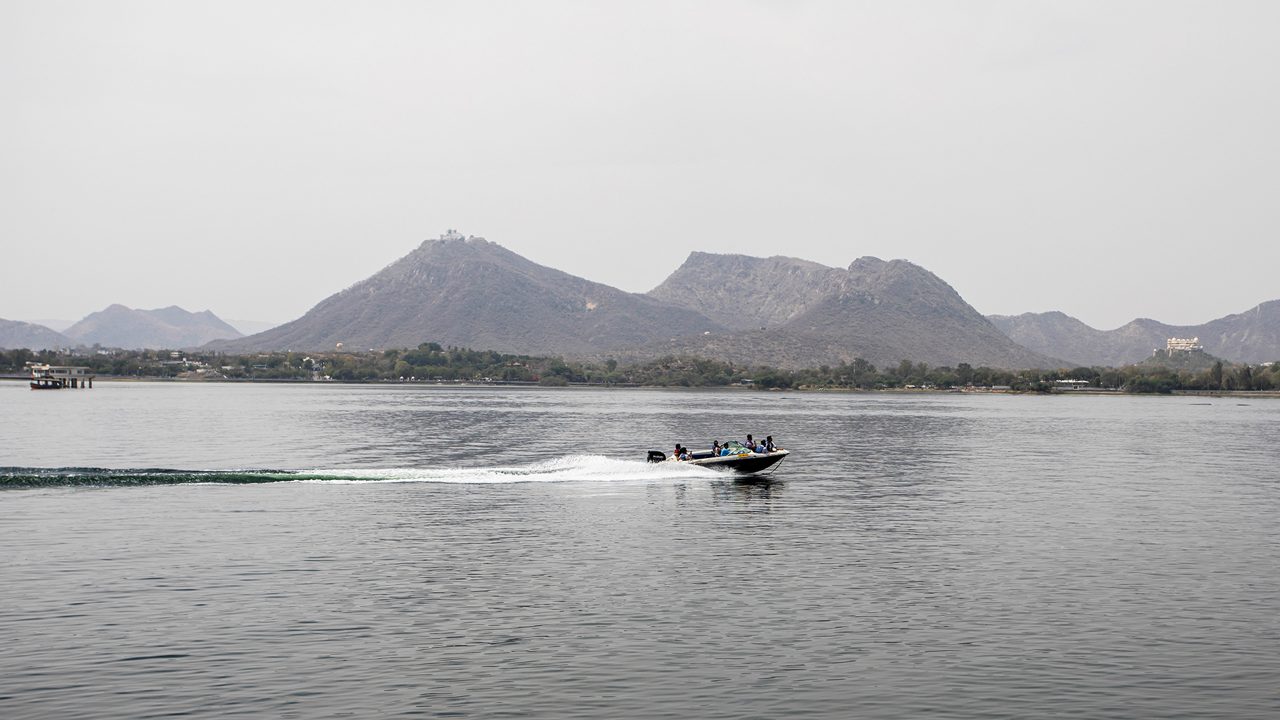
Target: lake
(321, 551)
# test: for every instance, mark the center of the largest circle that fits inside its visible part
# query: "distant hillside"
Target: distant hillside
(883, 312)
(474, 293)
(1076, 342)
(170, 327)
(15, 335)
(738, 290)
(1252, 336)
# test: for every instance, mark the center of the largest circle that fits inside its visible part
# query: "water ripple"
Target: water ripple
(920, 556)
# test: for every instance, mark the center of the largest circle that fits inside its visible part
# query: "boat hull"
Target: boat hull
(745, 464)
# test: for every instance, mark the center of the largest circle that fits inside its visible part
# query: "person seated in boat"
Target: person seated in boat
(724, 449)
(680, 453)
(750, 444)
(769, 446)
(715, 448)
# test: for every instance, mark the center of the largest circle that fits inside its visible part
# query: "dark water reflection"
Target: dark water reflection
(935, 556)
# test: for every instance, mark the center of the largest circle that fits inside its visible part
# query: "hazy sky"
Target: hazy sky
(1107, 159)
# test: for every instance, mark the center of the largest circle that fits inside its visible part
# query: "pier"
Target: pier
(58, 377)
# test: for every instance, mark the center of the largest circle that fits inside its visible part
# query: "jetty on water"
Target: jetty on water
(58, 377)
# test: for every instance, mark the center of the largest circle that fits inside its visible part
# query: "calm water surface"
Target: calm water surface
(480, 552)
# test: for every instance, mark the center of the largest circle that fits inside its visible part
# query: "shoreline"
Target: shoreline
(1095, 392)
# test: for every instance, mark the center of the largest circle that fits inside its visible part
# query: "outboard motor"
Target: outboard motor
(657, 456)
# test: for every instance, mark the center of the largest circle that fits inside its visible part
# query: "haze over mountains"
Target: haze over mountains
(171, 327)
(1252, 336)
(121, 327)
(779, 311)
(17, 334)
(250, 327)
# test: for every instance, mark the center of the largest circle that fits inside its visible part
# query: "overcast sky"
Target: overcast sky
(1111, 160)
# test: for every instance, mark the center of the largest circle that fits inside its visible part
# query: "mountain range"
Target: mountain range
(791, 313)
(170, 327)
(470, 292)
(1252, 336)
(779, 311)
(15, 334)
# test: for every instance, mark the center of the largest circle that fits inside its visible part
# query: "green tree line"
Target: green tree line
(430, 362)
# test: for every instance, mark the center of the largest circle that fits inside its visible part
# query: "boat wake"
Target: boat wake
(570, 468)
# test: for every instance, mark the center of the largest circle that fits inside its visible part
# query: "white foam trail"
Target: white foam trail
(570, 468)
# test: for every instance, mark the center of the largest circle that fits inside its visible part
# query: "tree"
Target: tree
(1084, 373)
(904, 369)
(1244, 378)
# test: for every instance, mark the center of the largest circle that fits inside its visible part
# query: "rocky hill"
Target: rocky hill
(1252, 336)
(738, 290)
(170, 327)
(473, 293)
(1076, 342)
(15, 334)
(794, 313)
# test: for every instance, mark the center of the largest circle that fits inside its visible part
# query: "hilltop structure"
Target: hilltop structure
(1176, 347)
(1174, 344)
(1181, 353)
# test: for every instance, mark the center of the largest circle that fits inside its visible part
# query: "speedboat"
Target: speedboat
(739, 458)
